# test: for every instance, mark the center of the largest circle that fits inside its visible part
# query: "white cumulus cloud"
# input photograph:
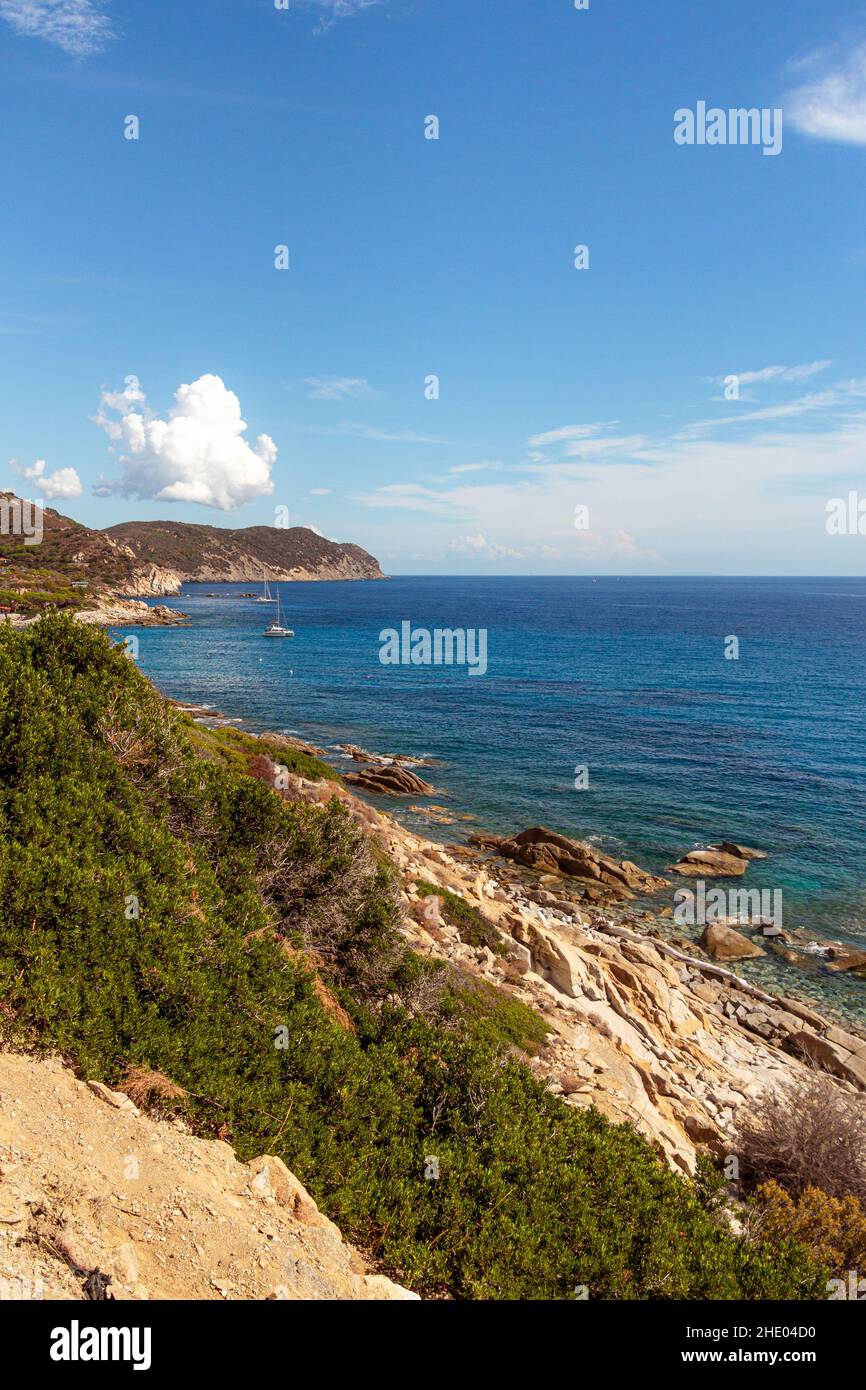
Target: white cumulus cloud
(831, 103)
(199, 454)
(78, 27)
(63, 482)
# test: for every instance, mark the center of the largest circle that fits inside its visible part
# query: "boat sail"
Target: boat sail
(276, 629)
(265, 595)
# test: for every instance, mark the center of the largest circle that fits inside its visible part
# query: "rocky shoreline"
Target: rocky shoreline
(650, 1032)
(115, 612)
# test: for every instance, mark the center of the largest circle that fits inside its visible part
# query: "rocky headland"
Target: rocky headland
(99, 574)
(173, 552)
(652, 1032)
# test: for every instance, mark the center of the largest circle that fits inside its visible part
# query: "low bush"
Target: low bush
(492, 1013)
(470, 924)
(235, 748)
(832, 1229)
(809, 1133)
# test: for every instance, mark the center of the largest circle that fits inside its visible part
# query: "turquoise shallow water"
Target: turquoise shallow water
(627, 676)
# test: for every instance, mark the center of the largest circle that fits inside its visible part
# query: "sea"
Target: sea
(649, 716)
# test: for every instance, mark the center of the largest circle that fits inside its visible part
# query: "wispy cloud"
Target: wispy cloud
(338, 388)
(621, 445)
(840, 397)
(769, 478)
(333, 10)
(533, 520)
(79, 27)
(476, 467)
(582, 442)
(15, 323)
(396, 436)
(566, 432)
(357, 429)
(779, 374)
(830, 104)
(412, 497)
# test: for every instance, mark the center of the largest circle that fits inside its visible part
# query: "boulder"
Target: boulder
(723, 943)
(701, 1131)
(118, 1099)
(272, 1180)
(390, 781)
(601, 879)
(785, 953)
(757, 1022)
(741, 851)
(849, 1041)
(845, 958)
(521, 956)
(706, 992)
(711, 863)
(563, 966)
(801, 1010)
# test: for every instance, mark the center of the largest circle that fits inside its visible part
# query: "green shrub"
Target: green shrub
(235, 747)
(470, 924)
(492, 1013)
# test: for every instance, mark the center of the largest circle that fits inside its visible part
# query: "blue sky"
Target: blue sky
(134, 270)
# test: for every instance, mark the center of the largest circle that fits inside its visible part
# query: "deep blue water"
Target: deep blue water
(627, 676)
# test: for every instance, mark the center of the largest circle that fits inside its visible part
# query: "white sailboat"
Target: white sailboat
(265, 595)
(276, 629)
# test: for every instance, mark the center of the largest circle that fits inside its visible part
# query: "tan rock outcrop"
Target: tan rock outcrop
(116, 612)
(87, 1183)
(741, 851)
(828, 1053)
(390, 781)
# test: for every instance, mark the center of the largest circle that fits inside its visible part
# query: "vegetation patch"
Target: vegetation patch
(235, 748)
(493, 1014)
(470, 924)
